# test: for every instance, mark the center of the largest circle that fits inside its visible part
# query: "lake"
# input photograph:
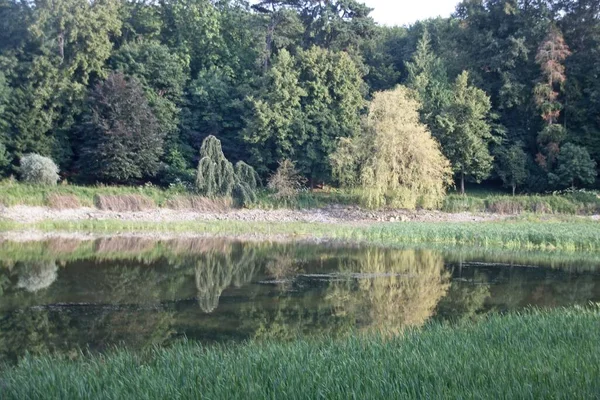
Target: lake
(62, 295)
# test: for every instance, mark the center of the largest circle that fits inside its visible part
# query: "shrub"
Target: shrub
(38, 170)
(286, 182)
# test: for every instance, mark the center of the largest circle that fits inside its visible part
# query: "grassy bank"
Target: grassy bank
(568, 236)
(554, 354)
(69, 196)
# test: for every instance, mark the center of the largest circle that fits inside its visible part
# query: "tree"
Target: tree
(163, 76)
(65, 47)
(395, 160)
(308, 102)
(274, 130)
(331, 108)
(217, 177)
(427, 76)
(465, 133)
(550, 56)
(575, 166)
(511, 166)
(122, 139)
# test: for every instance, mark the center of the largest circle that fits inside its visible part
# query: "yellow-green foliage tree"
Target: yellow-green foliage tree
(394, 160)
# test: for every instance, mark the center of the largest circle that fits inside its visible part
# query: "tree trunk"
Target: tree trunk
(514, 187)
(61, 46)
(462, 183)
(269, 42)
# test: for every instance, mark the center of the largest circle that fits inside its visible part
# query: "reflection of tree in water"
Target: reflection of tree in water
(375, 290)
(464, 300)
(36, 331)
(217, 269)
(394, 289)
(34, 276)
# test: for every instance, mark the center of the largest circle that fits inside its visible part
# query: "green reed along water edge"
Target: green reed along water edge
(535, 354)
(567, 236)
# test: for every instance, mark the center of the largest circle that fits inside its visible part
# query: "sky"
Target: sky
(406, 12)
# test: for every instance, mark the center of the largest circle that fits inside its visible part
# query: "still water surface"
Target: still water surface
(64, 295)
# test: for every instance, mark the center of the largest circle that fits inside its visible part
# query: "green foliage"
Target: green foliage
(277, 79)
(465, 131)
(394, 160)
(575, 166)
(4, 158)
(122, 139)
(38, 170)
(511, 166)
(217, 177)
(163, 76)
(309, 102)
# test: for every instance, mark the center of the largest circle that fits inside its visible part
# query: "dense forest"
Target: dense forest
(122, 92)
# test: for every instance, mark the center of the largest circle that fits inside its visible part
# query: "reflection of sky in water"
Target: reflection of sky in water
(59, 296)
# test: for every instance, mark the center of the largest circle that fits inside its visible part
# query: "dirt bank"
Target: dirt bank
(332, 214)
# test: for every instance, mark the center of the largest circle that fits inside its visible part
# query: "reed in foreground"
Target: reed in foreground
(537, 354)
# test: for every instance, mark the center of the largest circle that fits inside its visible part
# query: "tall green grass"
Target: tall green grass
(571, 236)
(532, 355)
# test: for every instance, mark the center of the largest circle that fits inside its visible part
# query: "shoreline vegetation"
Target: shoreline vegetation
(510, 355)
(571, 235)
(147, 197)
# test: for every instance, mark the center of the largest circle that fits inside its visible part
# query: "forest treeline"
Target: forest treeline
(118, 91)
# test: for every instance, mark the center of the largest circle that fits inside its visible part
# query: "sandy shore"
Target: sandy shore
(333, 214)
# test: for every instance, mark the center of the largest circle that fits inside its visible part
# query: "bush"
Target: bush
(38, 170)
(286, 182)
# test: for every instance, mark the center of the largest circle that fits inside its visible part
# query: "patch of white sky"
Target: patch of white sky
(407, 12)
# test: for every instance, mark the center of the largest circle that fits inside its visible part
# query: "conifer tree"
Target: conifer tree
(465, 133)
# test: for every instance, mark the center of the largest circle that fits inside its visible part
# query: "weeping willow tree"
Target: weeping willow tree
(218, 269)
(393, 289)
(394, 160)
(217, 177)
